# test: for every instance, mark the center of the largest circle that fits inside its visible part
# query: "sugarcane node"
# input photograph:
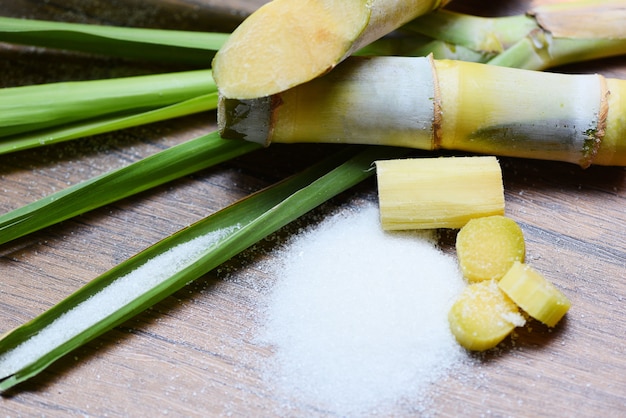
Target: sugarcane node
(437, 107)
(595, 135)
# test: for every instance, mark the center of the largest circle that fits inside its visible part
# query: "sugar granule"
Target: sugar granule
(118, 294)
(357, 317)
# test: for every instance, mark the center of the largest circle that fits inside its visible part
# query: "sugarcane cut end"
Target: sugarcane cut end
(286, 43)
(249, 119)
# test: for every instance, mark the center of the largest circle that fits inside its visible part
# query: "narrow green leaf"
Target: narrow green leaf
(193, 252)
(29, 108)
(152, 171)
(178, 47)
(106, 124)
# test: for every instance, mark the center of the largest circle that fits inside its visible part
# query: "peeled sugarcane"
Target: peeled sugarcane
(441, 104)
(429, 193)
(286, 43)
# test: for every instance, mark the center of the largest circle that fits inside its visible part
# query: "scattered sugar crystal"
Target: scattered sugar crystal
(118, 294)
(357, 318)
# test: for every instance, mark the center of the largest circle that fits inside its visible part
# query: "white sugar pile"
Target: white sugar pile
(357, 318)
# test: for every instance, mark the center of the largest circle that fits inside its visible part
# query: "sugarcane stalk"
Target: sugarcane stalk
(585, 19)
(487, 34)
(569, 32)
(544, 37)
(286, 43)
(444, 104)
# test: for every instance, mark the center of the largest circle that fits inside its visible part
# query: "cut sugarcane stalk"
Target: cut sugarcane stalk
(431, 104)
(428, 193)
(584, 19)
(487, 34)
(286, 43)
(546, 36)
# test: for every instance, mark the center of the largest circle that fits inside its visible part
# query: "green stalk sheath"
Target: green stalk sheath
(29, 349)
(178, 47)
(30, 108)
(157, 169)
(430, 104)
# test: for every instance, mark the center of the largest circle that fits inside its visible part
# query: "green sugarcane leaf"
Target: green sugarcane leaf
(169, 265)
(106, 124)
(29, 108)
(180, 47)
(172, 163)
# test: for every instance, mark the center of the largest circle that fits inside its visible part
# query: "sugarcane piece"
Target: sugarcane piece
(482, 316)
(428, 193)
(488, 247)
(530, 290)
(429, 104)
(286, 43)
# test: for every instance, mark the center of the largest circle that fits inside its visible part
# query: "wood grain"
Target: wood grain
(193, 354)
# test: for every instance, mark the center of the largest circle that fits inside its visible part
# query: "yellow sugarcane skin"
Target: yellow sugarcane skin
(512, 112)
(613, 146)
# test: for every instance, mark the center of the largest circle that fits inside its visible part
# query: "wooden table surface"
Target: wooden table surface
(186, 355)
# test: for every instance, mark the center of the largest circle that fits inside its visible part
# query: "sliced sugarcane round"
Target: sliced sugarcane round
(483, 316)
(487, 247)
(530, 290)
